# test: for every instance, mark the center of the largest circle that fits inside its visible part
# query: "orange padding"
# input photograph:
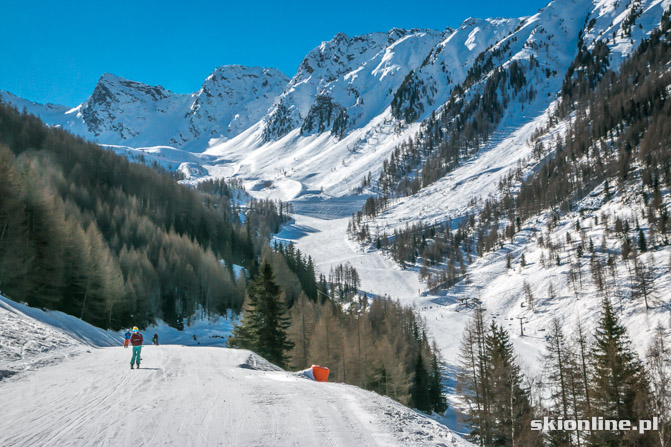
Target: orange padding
(321, 373)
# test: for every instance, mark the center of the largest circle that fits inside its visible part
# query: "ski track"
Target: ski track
(196, 396)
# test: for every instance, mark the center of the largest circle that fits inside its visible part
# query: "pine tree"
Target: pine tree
(419, 392)
(436, 396)
(642, 244)
(264, 324)
(510, 406)
(618, 383)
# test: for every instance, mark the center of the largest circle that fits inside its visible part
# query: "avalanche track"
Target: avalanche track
(198, 396)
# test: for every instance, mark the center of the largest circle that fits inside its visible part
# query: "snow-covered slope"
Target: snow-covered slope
(550, 39)
(32, 337)
(199, 396)
(85, 395)
(429, 85)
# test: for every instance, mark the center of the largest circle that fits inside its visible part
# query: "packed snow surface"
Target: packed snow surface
(59, 387)
(198, 396)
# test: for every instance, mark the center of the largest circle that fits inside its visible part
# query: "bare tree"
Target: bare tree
(658, 366)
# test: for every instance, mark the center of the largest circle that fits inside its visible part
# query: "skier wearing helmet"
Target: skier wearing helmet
(126, 338)
(136, 341)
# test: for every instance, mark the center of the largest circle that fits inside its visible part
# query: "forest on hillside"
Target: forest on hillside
(585, 376)
(615, 150)
(617, 137)
(116, 243)
(295, 320)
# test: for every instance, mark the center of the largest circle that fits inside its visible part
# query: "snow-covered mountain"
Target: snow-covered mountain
(121, 111)
(345, 82)
(446, 65)
(364, 89)
(549, 39)
(124, 110)
(231, 99)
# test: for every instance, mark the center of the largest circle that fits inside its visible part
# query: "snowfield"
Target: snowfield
(60, 388)
(31, 338)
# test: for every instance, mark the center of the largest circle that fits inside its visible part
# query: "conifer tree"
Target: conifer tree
(264, 324)
(658, 363)
(618, 384)
(557, 361)
(421, 398)
(510, 407)
(436, 396)
(642, 244)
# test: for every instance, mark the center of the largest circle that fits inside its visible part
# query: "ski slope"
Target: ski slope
(198, 396)
(64, 382)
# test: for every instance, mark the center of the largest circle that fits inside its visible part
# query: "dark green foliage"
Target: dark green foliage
(620, 389)
(642, 245)
(116, 243)
(421, 398)
(510, 408)
(264, 323)
(436, 396)
(325, 114)
(279, 123)
(499, 410)
(407, 103)
(303, 267)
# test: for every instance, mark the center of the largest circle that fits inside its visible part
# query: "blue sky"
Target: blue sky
(56, 51)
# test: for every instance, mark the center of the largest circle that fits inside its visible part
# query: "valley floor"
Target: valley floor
(187, 396)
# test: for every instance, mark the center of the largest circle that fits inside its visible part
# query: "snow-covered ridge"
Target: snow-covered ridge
(352, 99)
(355, 76)
(125, 112)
